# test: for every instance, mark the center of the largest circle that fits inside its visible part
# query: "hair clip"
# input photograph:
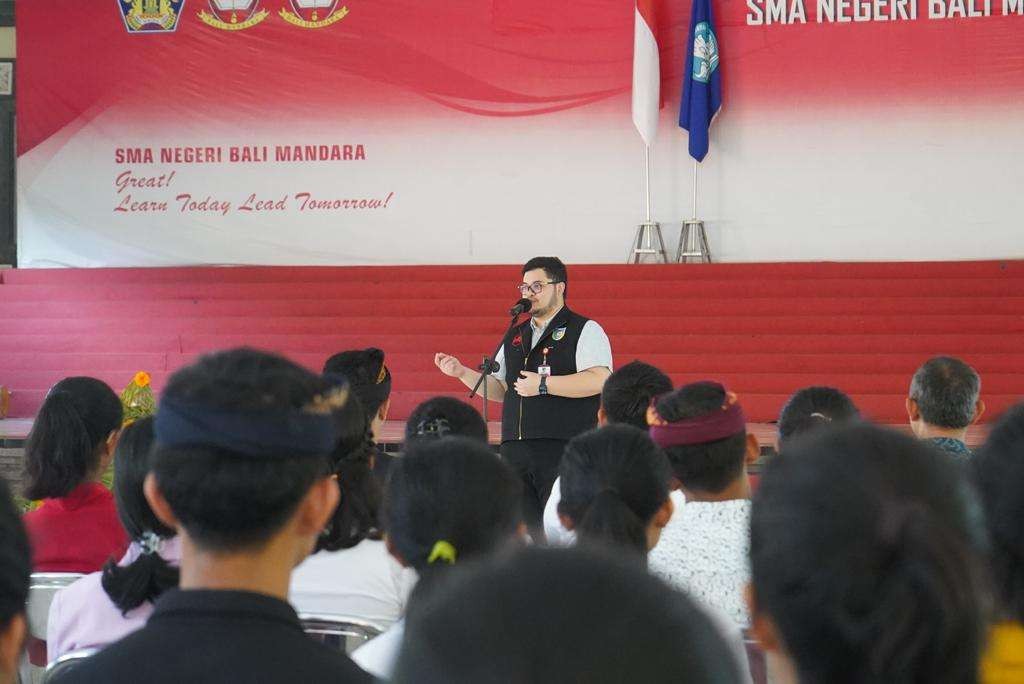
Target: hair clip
(821, 416)
(435, 427)
(443, 551)
(150, 542)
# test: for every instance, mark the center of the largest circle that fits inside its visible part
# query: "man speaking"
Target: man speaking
(549, 378)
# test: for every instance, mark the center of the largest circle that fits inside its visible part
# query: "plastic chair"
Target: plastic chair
(42, 588)
(340, 632)
(60, 667)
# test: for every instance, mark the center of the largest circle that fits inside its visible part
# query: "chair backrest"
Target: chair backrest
(59, 667)
(755, 658)
(42, 588)
(341, 632)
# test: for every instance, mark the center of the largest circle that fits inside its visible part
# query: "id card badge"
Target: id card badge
(544, 371)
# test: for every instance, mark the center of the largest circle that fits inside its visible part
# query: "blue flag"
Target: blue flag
(702, 80)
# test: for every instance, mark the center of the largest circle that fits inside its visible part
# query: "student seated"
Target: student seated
(864, 562)
(615, 486)
(624, 399)
(351, 572)
(812, 408)
(445, 417)
(449, 501)
(703, 430)
(104, 606)
(15, 569)
(71, 443)
(999, 470)
(560, 615)
(242, 470)
(369, 380)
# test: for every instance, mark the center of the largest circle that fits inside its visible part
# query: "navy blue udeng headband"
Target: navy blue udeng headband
(267, 433)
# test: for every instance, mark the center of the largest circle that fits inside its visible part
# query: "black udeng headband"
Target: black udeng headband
(266, 433)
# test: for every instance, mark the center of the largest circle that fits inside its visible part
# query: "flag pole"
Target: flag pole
(696, 168)
(647, 181)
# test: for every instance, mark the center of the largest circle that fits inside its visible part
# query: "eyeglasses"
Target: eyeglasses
(535, 287)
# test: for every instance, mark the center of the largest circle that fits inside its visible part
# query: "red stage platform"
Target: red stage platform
(763, 329)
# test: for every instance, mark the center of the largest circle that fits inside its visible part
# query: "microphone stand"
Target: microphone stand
(489, 366)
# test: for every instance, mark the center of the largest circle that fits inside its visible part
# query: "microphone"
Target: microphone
(522, 306)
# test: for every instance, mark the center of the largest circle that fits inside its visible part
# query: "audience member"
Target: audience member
(812, 408)
(560, 615)
(999, 468)
(445, 417)
(68, 449)
(615, 485)
(104, 606)
(370, 381)
(625, 397)
(351, 573)
(448, 501)
(864, 562)
(15, 568)
(943, 402)
(242, 470)
(703, 430)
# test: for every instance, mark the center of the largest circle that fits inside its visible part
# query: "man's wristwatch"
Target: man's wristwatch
(543, 387)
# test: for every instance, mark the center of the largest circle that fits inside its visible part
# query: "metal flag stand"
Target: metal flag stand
(693, 239)
(648, 231)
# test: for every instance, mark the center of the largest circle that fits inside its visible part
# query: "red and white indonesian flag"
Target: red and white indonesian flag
(646, 73)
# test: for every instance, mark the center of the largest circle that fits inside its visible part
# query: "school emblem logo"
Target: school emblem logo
(705, 52)
(313, 14)
(150, 16)
(558, 334)
(233, 15)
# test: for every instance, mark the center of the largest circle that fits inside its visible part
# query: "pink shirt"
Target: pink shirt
(83, 616)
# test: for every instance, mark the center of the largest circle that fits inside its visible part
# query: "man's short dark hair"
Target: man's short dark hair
(711, 466)
(946, 391)
(629, 390)
(227, 500)
(445, 417)
(15, 559)
(553, 267)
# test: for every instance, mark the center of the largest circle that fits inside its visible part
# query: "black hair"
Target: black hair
(367, 375)
(445, 417)
(614, 479)
(560, 615)
(812, 408)
(711, 466)
(629, 390)
(227, 500)
(864, 554)
(453, 490)
(357, 516)
(64, 446)
(553, 267)
(149, 575)
(946, 391)
(15, 559)
(999, 470)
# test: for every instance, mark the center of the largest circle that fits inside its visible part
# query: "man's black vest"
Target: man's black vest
(545, 416)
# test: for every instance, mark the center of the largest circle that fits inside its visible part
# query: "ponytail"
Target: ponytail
(357, 516)
(914, 624)
(609, 521)
(63, 447)
(145, 579)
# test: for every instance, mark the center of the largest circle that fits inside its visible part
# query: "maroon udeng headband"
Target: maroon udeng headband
(707, 428)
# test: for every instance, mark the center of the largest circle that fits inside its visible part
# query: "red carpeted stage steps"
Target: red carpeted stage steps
(763, 329)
